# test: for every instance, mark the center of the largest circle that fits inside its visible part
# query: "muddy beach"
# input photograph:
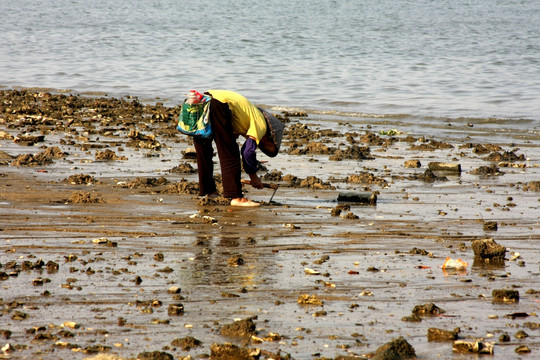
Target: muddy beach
(107, 252)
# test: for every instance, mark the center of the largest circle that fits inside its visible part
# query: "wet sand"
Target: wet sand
(106, 248)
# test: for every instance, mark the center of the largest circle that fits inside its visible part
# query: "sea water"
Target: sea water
(427, 60)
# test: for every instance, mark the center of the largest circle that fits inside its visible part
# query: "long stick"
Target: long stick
(266, 185)
(274, 193)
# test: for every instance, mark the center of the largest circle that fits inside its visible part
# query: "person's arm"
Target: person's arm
(250, 162)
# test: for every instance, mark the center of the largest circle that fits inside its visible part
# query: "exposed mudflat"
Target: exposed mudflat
(106, 248)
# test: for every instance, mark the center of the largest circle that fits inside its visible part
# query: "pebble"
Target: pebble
(174, 290)
(523, 349)
(175, 309)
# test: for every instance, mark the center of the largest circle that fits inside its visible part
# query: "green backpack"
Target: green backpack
(194, 119)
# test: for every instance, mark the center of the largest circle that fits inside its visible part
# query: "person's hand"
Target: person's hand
(255, 181)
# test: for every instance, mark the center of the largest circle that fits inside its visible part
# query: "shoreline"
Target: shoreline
(94, 203)
(529, 126)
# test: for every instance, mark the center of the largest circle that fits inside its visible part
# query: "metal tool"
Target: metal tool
(266, 185)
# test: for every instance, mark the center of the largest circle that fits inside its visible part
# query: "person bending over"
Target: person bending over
(231, 116)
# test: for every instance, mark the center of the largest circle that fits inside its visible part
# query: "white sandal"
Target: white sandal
(244, 202)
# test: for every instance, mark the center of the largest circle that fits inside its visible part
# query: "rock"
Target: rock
(92, 349)
(189, 153)
(28, 140)
(353, 152)
(19, 316)
(477, 347)
(435, 334)
(480, 149)
(7, 348)
(174, 290)
(416, 251)
(43, 158)
(309, 300)
(6, 334)
(517, 315)
(447, 167)
(81, 179)
(357, 197)
(184, 168)
(532, 186)
(395, 350)
(230, 351)
(143, 141)
(427, 309)
(504, 296)
(532, 325)
(206, 201)
(313, 182)
(186, 343)
(339, 208)
(350, 216)
(5, 136)
(241, 328)
(4, 155)
(487, 171)
(71, 324)
(366, 178)
(105, 357)
(429, 176)
(488, 249)
(108, 155)
(522, 349)
(101, 240)
(509, 156)
(52, 267)
(490, 226)
(309, 271)
(155, 355)
(175, 309)
(319, 148)
(183, 187)
(147, 182)
(412, 164)
(82, 197)
(412, 318)
(235, 260)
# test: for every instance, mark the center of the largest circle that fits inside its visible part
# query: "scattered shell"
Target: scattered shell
(309, 271)
(71, 324)
(451, 264)
(101, 240)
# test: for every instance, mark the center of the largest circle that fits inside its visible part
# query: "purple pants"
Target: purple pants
(228, 153)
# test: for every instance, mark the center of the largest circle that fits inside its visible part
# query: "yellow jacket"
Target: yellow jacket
(247, 119)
